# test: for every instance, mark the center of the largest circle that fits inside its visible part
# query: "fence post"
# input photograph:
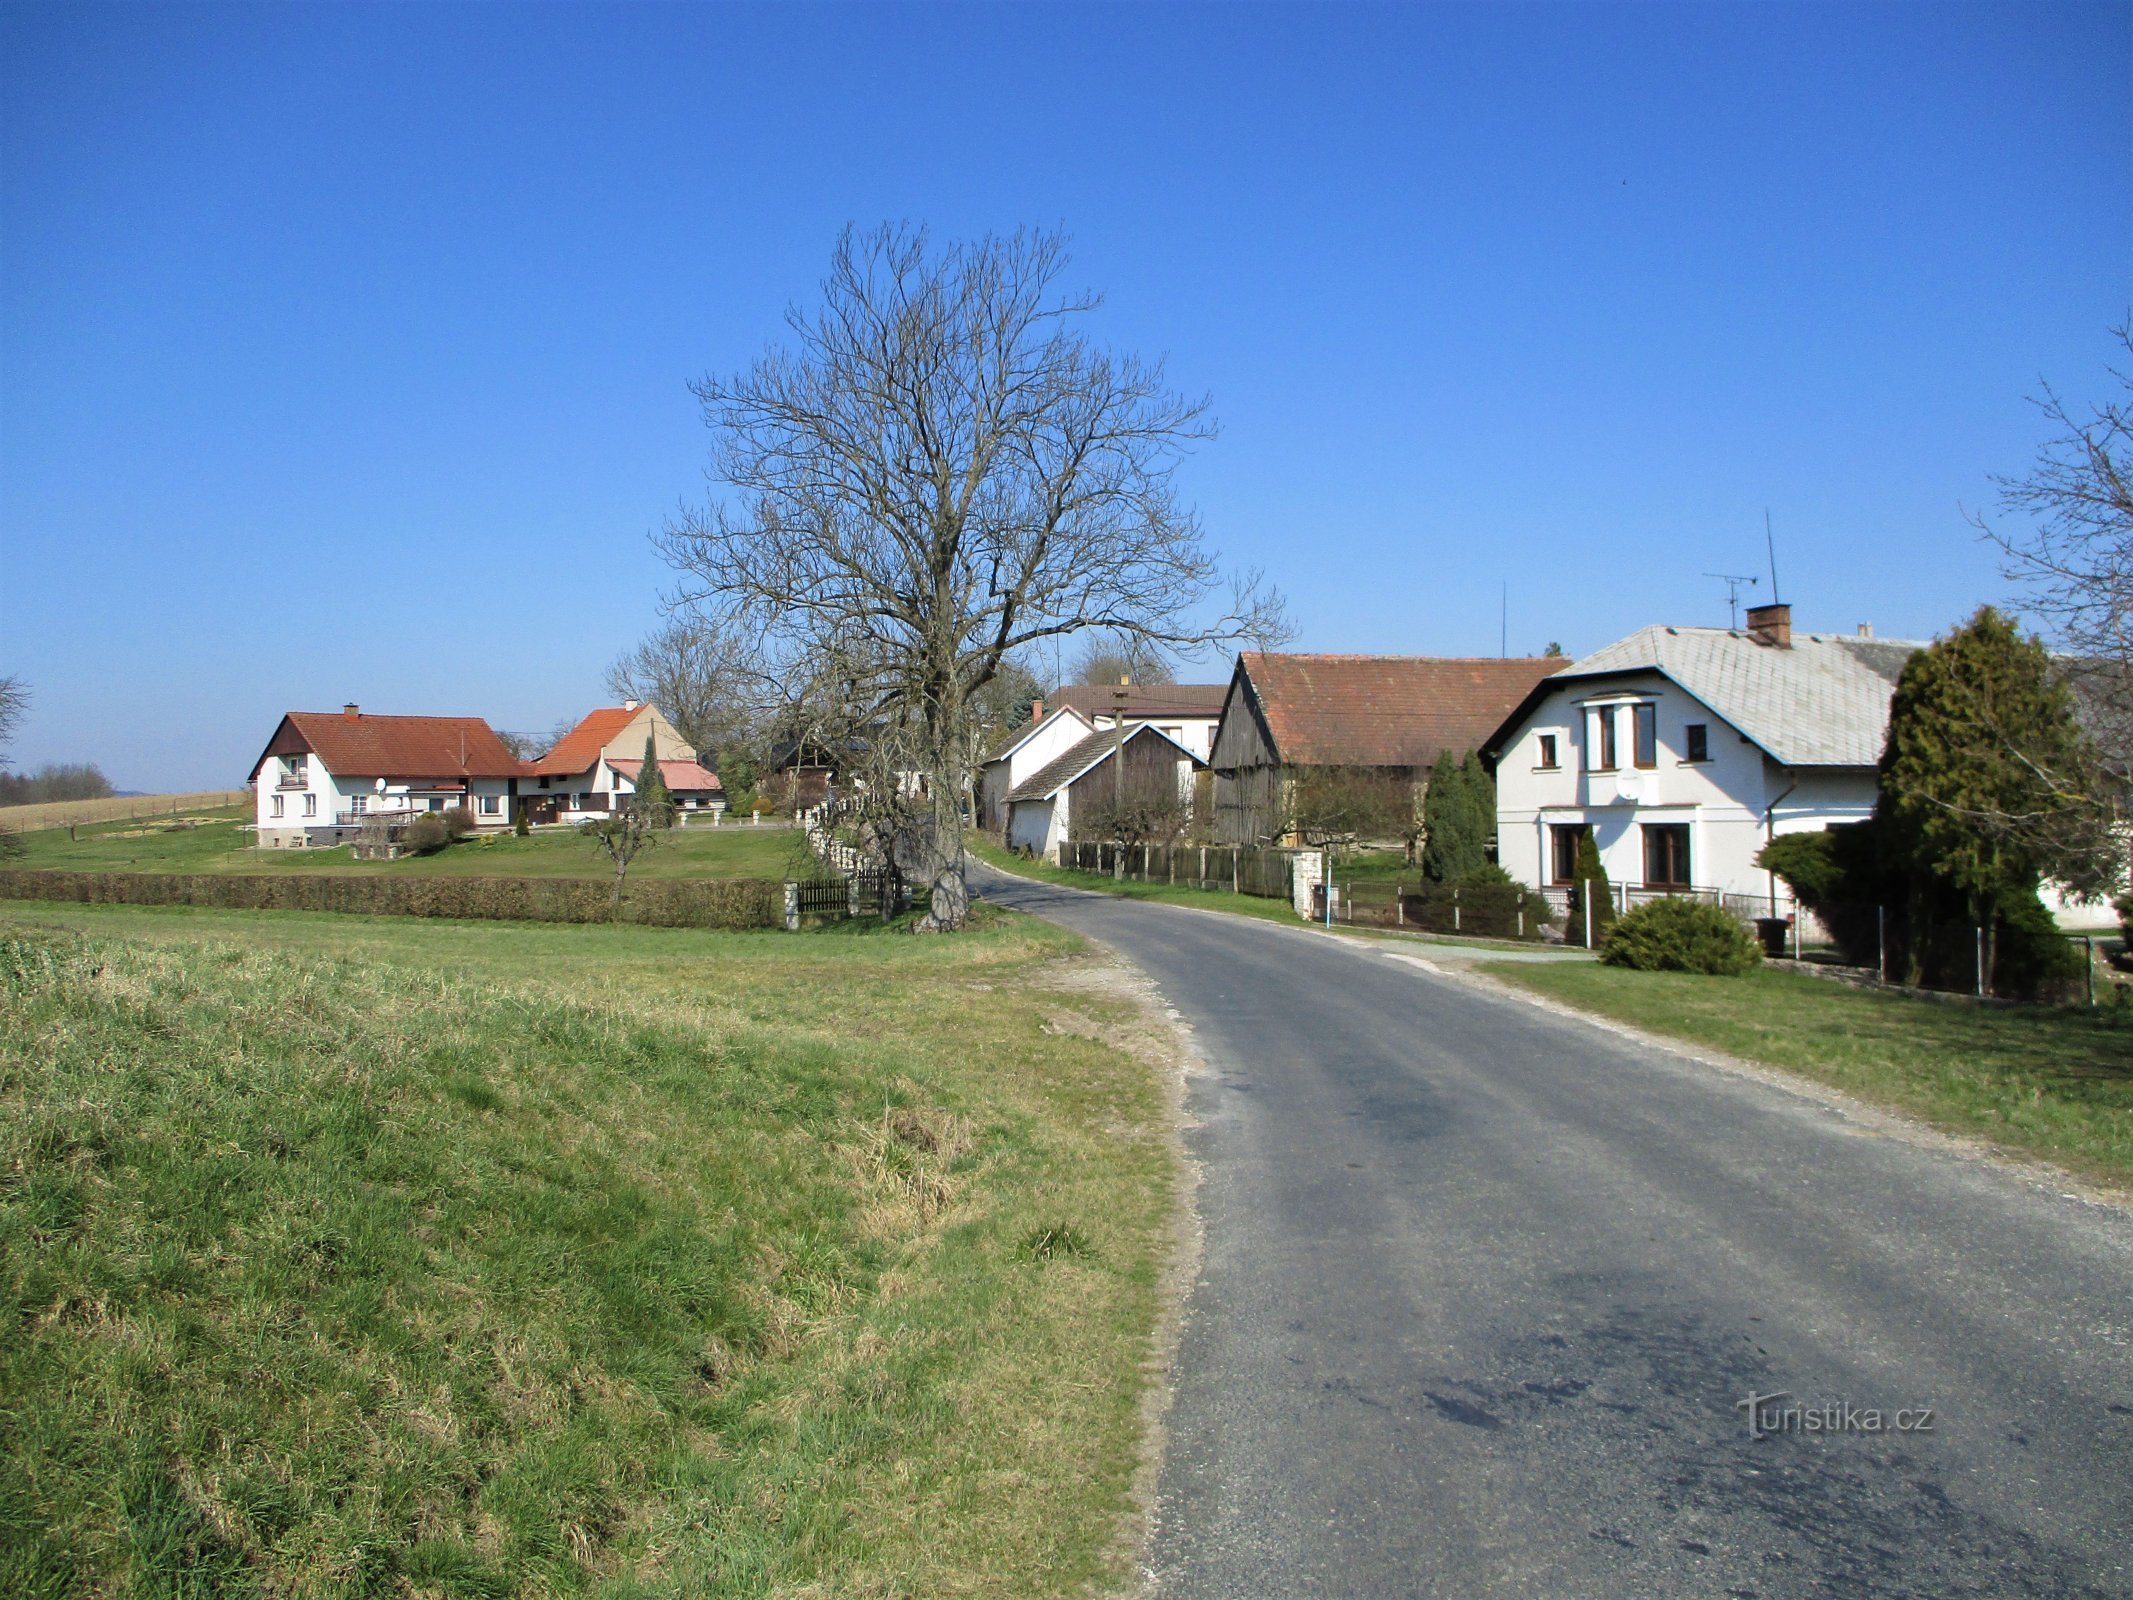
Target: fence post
(851, 895)
(792, 907)
(1236, 882)
(1588, 913)
(1521, 919)
(1881, 942)
(1202, 880)
(1399, 911)
(2088, 945)
(1978, 930)
(1455, 909)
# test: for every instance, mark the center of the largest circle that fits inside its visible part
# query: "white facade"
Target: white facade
(299, 804)
(1041, 743)
(1670, 808)
(1196, 733)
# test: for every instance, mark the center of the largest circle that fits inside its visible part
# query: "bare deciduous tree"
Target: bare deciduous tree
(941, 470)
(1105, 660)
(703, 675)
(624, 833)
(2074, 551)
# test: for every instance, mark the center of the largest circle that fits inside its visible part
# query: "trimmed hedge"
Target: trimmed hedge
(1681, 935)
(1487, 904)
(661, 902)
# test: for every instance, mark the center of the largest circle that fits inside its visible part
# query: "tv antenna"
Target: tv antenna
(1733, 582)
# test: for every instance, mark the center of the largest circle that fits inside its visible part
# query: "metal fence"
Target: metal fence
(1237, 869)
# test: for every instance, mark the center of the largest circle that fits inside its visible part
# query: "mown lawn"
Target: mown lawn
(368, 1257)
(215, 842)
(2054, 1082)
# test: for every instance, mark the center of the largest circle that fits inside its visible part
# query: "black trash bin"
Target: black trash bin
(1775, 931)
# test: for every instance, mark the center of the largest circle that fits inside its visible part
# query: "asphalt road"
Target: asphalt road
(1484, 1289)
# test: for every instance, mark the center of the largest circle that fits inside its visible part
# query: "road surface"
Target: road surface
(1484, 1290)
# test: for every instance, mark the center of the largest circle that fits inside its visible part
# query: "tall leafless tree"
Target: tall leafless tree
(2066, 530)
(703, 675)
(1107, 660)
(941, 469)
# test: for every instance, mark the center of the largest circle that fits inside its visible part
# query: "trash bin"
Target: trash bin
(1774, 931)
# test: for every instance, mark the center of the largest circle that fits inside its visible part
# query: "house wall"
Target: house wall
(1048, 741)
(1148, 761)
(1196, 734)
(1722, 800)
(1039, 826)
(333, 804)
(1247, 781)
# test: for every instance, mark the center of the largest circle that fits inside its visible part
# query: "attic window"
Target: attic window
(1697, 736)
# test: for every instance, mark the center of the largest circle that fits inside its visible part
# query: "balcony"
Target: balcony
(292, 780)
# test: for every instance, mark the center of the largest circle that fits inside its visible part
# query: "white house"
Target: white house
(598, 760)
(1685, 750)
(1185, 712)
(1041, 809)
(1018, 754)
(323, 772)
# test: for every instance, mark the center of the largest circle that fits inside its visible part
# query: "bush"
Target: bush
(1681, 935)
(427, 834)
(520, 825)
(2033, 960)
(697, 903)
(459, 823)
(1488, 903)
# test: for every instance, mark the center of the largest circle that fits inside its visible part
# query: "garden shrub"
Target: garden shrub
(427, 834)
(1488, 903)
(459, 823)
(1681, 935)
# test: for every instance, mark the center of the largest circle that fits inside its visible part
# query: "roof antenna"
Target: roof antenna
(1503, 622)
(1770, 544)
(1733, 582)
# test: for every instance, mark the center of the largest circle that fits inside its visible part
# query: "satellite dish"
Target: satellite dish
(381, 786)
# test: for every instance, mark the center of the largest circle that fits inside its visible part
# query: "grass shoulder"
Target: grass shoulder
(2050, 1082)
(1245, 905)
(371, 1256)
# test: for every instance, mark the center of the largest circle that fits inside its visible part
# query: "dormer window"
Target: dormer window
(1600, 739)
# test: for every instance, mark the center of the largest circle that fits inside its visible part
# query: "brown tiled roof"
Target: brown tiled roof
(1145, 700)
(578, 749)
(1386, 711)
(1063, 769)
(683, 777)
(369, 746)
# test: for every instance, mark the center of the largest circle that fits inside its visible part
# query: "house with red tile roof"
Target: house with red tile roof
(597, 762)
(324, 772)
(1185, 712)
(1288, 714)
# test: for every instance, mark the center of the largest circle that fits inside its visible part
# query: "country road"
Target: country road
(1484, 1288)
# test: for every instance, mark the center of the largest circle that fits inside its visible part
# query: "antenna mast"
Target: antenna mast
(1733, 582)
(1503, 622)
(1770, 544)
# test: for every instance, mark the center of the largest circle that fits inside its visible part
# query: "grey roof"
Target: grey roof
(1822, 703)
(1063, 769)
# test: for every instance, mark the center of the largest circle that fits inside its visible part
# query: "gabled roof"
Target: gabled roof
(1384, 711)
(1012, 740)
(1062, 770)
(1824, 702)
(367, 746)
(578, 749)
(1145, 701)
(682, 777)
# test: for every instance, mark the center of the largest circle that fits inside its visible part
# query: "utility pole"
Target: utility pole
(1118, 769)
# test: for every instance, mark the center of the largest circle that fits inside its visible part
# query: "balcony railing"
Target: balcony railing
(291, 780)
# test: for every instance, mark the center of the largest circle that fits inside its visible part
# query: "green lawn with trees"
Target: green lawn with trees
(373, 1257)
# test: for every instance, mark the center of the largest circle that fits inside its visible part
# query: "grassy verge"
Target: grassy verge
(1245, 905)
(216, 842)
(359, 1257)
(2054, 1083)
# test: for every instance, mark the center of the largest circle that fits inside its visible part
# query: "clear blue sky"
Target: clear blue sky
(343, 349)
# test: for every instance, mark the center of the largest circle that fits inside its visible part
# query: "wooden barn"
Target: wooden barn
(1290, 717)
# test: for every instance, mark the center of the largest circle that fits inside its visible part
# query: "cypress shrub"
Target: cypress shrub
(701, 903)
(1592, 892)
(1681, 935)
(1488, 903)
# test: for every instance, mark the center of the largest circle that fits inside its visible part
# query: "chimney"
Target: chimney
(1771, 624)
(351, 711)
(1036, 711)
(1866, 630)
(631, 705)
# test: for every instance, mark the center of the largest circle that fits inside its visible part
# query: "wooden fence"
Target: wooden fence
(858, 894)
(1237, 869)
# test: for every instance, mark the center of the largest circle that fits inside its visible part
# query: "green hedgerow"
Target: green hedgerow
(1681, 935)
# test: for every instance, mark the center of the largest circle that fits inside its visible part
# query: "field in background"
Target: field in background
(2049, 1081)
(219, 843)
(379, 1257)
(58, 813)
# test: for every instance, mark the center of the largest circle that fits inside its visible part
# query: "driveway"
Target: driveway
(1485, 1287)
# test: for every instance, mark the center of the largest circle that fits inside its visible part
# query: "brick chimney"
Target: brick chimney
(351, 711)
(1771, 625)
(1036, 711)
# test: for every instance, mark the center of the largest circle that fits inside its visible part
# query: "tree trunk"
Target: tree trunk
(950, 894)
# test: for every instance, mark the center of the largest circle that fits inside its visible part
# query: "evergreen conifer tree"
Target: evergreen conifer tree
(1591, 892)
(652, 794)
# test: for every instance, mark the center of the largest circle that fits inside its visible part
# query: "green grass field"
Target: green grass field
(372, 1257)
(216, 843)
(2053, 1082)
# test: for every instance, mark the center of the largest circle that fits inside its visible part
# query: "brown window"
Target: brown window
(1666, 855)
(1699, 742)
(1547, 750)
(1647, 733)
(1563, 840)
(1600, 739)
